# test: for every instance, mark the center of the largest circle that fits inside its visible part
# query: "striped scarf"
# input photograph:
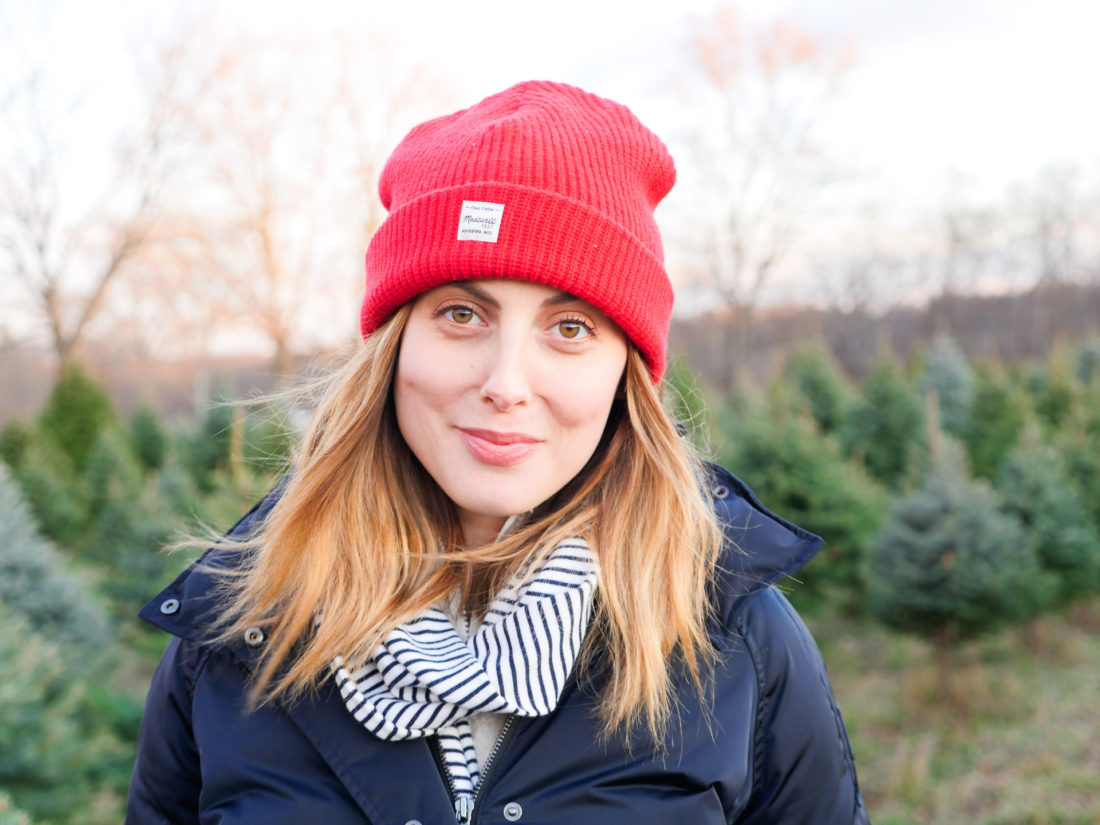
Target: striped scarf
(425, 678)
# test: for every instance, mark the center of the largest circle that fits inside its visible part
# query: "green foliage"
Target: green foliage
(885, 428)
(57, 494)
(15, 438)
(949, 564)
(209, 449)
(9, 814)
(34, 581)
(805, 477)
(77, 411)
(110, 499)
(1037, 490)
(113, 471)
(269, 438)
(947, 373)
(1081, 452)
(178, 489)
(687, 401)
(1078, 441)
(130, 524)
(997, 416)
(1087, 415)
(819, 384)
(1088, 361)
(1053, 393)
(54, 754)
(148, 438)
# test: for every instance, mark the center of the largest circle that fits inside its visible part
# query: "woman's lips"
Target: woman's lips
(497, 448)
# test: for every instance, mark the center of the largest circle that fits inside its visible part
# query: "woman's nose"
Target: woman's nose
(507, 381)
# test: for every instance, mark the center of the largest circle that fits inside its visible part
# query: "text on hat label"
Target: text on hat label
(480, 221)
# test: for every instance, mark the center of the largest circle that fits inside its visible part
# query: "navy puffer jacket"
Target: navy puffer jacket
(769, 749)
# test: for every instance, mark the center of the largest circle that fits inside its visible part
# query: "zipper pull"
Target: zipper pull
(464, 807)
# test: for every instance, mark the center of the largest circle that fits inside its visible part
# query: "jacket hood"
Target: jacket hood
(760, 549)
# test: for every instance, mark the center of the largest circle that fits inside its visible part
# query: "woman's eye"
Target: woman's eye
(459, 315)
(573, 330)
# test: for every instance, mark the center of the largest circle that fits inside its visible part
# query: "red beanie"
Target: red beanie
(542, 182)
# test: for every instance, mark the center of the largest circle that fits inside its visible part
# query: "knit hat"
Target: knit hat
(542, 182)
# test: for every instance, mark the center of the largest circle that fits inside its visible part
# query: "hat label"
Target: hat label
(480, 221)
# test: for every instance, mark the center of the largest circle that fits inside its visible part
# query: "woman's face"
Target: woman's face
(502, 392)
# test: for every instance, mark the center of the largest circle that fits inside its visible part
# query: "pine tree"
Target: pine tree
(1079, 444)
(15, 438)
(950, 565)
(997, 416)
(1038, 491)
(805, 477)
(34, 581)
(819, 384)
(148, 438)
(55, 753)
(947, 373)
(210, 449)
(57, 494)
(1088, 361)
(78, 409)
(1054, 392)
(885, 428)
(130, 524)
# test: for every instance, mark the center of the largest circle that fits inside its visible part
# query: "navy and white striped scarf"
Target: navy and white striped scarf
(427, 679)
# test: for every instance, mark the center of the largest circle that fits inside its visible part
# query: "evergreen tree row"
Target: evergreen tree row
(954, 498)
(88, 502)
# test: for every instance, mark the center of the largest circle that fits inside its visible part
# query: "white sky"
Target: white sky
(992, 89)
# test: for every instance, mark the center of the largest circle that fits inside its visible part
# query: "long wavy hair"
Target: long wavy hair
(364, 538)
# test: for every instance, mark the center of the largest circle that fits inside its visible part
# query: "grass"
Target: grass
(1017, 742)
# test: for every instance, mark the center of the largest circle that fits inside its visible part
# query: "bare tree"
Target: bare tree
(61, 245)
(377, 98)
(757, 100)
(286, 141)
(1056, 215)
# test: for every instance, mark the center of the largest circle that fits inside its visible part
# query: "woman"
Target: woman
(498, 586)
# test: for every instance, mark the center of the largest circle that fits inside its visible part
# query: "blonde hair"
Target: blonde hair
(363, 537)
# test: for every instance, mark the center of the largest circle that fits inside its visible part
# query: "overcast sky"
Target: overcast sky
(992, 89)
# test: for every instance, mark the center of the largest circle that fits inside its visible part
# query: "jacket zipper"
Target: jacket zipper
(462, 803)
(465, 804)
(490, 764)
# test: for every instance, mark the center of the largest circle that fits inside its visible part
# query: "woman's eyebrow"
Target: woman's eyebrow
(561, 297)
(480, 294)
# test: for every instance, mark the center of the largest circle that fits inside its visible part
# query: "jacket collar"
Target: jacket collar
(185, 608)
(760, 548)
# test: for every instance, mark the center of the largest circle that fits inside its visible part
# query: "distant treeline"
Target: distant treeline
(1008, 328)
